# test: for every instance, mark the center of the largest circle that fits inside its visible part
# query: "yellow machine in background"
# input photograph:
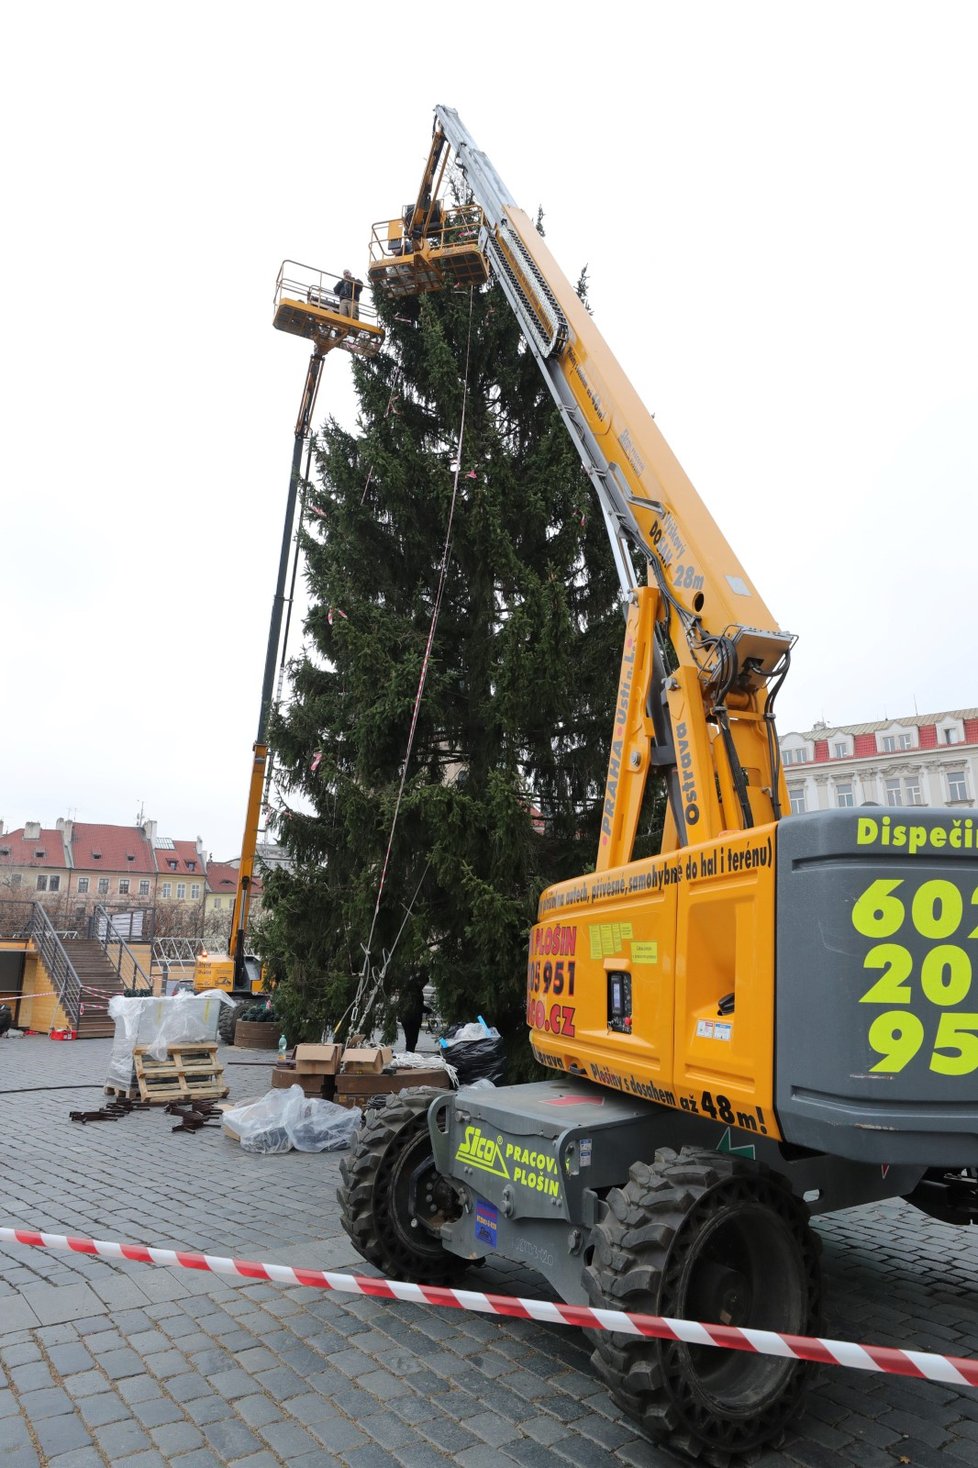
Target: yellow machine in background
(306, 305)
(773, 1016)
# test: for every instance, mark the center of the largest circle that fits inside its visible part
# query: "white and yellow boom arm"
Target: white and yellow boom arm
(707, 722)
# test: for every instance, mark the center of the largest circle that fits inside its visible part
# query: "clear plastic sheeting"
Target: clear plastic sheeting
(282, 1120)
(156, 1022)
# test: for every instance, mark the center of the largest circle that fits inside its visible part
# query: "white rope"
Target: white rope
(359, 1015)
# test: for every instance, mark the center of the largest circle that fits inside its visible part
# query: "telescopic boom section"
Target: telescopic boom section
(703, 657)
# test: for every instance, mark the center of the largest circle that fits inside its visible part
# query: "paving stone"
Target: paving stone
(176, 1437)
(100, 1410)
(13, 1434)
(61, 1434)
(231, 1439)
(77, 1458)
(33, 1376)
(137, 1388)
(48, 1402)
(53, 1304)
(155, 1411)
(70, 1358)
(120, 1439)
(288, 1439)
(258, 1410)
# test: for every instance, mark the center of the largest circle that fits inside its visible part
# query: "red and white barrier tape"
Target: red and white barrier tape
(952, 1370)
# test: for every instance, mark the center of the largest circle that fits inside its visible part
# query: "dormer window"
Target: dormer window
(129, 856)
(96, 856)
(40, 852)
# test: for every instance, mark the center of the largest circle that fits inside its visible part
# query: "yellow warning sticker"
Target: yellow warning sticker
(607, 939)
(645, 953)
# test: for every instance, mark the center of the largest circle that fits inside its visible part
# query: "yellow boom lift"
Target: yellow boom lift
(774, 1016)
(306, 305)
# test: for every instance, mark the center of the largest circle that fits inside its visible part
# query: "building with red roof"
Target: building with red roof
(918, 759)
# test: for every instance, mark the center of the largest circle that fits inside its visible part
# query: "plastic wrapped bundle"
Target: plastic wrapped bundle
(476, 1052)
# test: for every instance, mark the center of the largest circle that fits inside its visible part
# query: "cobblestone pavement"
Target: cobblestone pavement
(105, 1363)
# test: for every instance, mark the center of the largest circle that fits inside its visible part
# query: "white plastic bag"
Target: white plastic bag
(282, 1120)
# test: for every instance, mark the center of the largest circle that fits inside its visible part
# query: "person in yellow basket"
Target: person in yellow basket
(348, 294)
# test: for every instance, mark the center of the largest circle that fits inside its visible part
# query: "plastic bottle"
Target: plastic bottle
(283, 1045)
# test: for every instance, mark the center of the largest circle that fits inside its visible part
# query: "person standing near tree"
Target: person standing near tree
(348, 294)
(410, 1009)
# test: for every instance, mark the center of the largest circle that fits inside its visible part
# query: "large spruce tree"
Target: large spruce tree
(502, 791)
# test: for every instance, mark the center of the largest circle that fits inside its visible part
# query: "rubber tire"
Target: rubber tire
(650, 1254)
(392, 1142)
(227, 1021)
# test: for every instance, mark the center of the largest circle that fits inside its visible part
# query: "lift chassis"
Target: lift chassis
(770, 1018)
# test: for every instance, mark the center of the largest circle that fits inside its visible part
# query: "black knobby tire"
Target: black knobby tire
(719, 1240)
(227, 1021)
(391, 1158)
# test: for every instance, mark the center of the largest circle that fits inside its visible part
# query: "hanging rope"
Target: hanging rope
(362, 1003)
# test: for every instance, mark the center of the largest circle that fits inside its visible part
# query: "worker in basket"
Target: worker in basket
(348, 294)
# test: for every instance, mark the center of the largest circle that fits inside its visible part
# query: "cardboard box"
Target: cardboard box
(323, 1060)
(284, 1076)
(355, 1086)
(368, 1061)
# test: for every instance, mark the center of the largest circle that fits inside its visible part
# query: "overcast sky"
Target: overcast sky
(776, 204)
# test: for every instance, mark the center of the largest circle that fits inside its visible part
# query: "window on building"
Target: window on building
(181, 891)
(41, 884)
(839, 751)
(167, 889)
(911, 789)
(843, 794)
(888, 743)
(15, 879)
(82, 884)
(796, 794)
(217, 903)
(54, 884)
(123, 886)
(793, 756)
(950, 736)
(893, 791)
(905, 741)
(195, 890)
(957, 785)
(144, 887)
(103, 886)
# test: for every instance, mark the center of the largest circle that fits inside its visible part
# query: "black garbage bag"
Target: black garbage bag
(476, 1052)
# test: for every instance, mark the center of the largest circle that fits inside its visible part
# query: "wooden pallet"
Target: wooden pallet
(190, 1073)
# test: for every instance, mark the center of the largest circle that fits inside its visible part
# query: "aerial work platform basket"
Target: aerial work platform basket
(306, 304)
(448, 250)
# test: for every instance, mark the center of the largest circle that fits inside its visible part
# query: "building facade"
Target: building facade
(920, 759)
(159, 884)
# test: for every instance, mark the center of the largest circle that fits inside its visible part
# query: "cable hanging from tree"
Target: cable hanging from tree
(363, 1001)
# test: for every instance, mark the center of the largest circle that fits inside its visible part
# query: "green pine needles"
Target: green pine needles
(503, 788)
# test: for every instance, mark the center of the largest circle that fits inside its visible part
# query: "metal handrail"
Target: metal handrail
(458, 225)
(177, 952)
(128, 969)
(59, 966)
(318, 288)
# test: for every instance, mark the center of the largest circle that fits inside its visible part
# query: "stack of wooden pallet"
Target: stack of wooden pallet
(189, 1073)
